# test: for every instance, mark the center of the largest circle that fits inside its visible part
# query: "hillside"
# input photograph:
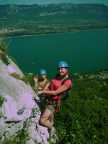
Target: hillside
(84, 115)
(29, 19)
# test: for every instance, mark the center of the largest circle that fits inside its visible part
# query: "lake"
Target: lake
(85, 51)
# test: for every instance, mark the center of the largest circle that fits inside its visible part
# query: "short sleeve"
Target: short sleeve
(68, 83)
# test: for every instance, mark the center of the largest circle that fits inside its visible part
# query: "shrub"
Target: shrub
(84, 116)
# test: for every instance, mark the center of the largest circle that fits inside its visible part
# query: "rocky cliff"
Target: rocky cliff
(19, 109)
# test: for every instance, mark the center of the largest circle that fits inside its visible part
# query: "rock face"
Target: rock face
(17, 108)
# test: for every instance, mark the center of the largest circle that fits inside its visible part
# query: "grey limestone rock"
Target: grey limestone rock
(18, 107)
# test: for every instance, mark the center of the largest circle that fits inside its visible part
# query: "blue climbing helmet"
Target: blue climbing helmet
(42, 72)
(63, 64)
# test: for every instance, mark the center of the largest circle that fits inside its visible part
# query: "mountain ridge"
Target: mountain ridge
(29, 19)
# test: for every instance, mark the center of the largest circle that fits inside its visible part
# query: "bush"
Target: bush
(84, 116)
(3, 52)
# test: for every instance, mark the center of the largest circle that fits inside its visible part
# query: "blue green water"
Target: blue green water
(85, 51)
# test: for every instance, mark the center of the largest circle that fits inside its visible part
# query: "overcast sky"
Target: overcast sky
(51, 1)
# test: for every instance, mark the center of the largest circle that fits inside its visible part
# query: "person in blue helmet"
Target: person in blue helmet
(41, 80)
(58, 89)
(41, 83)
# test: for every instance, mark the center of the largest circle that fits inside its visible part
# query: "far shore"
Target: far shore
(44, 31)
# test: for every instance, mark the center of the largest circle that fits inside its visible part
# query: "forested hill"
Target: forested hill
(52, 18)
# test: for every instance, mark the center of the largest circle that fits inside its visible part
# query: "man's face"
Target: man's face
(63, 71)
